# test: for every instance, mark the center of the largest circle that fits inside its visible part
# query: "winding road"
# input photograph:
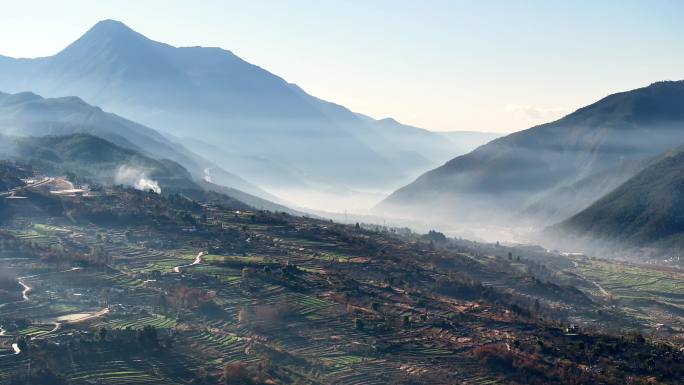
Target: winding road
(15, 346)
(27, 288)
(58, 321)
(603, 291)
(25, 291)
(197, 261)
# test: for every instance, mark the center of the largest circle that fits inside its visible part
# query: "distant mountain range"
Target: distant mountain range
(94, 159)
(557, 168)
(28, 114)
(607, 169)
(235, 114)
(467, 141)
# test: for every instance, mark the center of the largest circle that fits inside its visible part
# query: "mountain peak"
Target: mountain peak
(110, 26)
(111, 44)
(19, 98)
(107, 32)
(389, 121)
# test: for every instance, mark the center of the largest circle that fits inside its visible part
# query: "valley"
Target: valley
(175, 214)
(286, 299)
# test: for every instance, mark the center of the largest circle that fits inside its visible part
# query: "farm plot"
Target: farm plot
(649, 295)
(631, 281)
(35, 330)
(115, 368)
(37, 238)
(227, 347)
(11, 364)
(157, 320)
(50, 230)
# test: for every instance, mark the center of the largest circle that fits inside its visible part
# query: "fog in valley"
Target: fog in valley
(459, 199)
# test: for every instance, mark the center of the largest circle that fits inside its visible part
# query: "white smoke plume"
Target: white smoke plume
(136, 178)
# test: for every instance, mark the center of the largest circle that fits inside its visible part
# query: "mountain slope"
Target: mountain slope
(467, 141)
(92, 158)
(648, 209)
(27, 114)
(568, 199)
(509, 173)
(213, 96)
(95, 159)
(421, 141)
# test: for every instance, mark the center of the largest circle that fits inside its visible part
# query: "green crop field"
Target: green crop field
(633, 280)
(35, 330)
(648, 295)
(156, 320)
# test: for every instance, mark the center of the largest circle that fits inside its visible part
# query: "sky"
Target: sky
(443, 65)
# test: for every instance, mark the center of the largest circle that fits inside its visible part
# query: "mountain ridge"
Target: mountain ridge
(89, 158)
(29, 114)
(508, 173)
(216, 96)
(647, 210)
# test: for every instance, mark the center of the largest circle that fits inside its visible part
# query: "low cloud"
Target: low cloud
(534, 112)
(136, 178)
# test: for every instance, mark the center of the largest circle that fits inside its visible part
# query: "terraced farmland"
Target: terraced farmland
(135, 323)
(654, 295)
(279, 299)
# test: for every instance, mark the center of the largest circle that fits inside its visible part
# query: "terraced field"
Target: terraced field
(35, 330)
(291, 300)
(150, 369)
(654, 295)
(138, 322)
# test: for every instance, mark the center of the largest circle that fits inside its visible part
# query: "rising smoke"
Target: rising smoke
(136, 178)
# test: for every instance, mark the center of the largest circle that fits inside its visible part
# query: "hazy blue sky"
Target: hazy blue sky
(444, 65)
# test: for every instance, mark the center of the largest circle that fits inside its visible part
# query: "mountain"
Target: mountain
(423, 142)
(467, 141)
(28, 114)
(498, 180)
(93, 158)
(568, 199)
(647, 210)
(211, 95)
(264, 171)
